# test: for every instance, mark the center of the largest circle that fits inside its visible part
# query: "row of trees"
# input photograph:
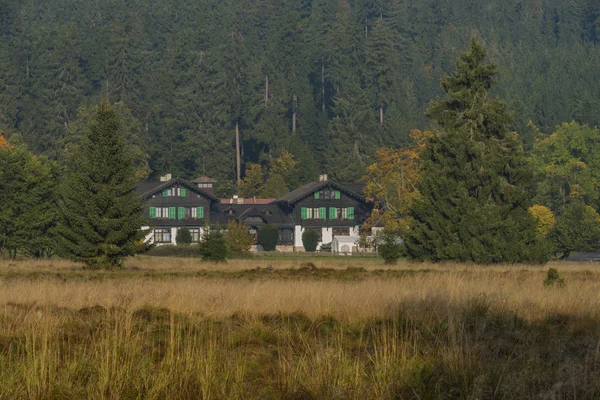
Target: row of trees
(465, 191)
(330, 81)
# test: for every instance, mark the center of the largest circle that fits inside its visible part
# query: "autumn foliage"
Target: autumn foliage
(392, 182)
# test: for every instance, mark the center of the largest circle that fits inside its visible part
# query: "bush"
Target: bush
(172, 251)
(184, 237)
(239, 239)
(213, 246)
(310, 240)
(389, 249)
(553, 279)
(268, 235)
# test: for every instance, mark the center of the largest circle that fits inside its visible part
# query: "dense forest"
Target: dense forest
(331, 81)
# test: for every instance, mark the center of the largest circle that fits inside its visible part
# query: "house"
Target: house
(329, 208)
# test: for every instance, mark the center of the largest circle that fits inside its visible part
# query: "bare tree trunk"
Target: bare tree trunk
(237, 151)
(294, 108)
(266, 90)
(381, 115)
(323, 87)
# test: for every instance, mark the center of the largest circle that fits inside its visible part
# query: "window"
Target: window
(174, 192)
(286, 235)
(341, 213)
(189, 213)
(205, 185)
(327, 194)
(313, 213)
(341, 232)
(162, 212)
(162, 236)
(195, 233)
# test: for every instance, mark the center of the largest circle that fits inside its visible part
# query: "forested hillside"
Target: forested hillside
(330, 80)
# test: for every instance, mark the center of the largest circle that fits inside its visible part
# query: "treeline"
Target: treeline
(329, 81)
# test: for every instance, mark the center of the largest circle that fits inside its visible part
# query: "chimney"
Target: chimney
(166, 178)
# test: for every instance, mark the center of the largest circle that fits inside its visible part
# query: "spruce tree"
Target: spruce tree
(473, 204)
(100, 211)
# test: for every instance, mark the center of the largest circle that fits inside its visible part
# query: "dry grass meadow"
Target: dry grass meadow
(342, 328)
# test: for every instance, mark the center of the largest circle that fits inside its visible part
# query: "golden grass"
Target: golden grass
(443, 288)
(437, 331)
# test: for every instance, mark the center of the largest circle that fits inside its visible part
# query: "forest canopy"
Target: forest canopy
(330, 81)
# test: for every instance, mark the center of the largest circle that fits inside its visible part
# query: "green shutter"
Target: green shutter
(200, 212)
(303, 213)
(323, 212)
(350, 212)
(171, 212)
(165, 192)
(332, 213)
(181, 213)
(337, 195)
(182, 192)
(317, 195)
(152, 212)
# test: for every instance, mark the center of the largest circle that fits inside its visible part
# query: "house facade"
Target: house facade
(329, 208)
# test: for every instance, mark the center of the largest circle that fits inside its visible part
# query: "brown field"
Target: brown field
(274, 328)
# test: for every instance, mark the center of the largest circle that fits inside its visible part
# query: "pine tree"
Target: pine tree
(473, 204)
(101, 213)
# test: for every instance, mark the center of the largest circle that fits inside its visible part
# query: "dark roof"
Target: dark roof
(270, 213)
(583, 256)
(306, 190)
(358, 188)
(148, 188)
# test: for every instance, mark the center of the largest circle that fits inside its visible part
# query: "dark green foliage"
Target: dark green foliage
(190, 70)
(553, 279)
(389, 249)
(474, 176)
(100, 211)
(184, 237)
(28, 197)
(310, 240)
(173, 251)
(213, 246)
(577, 229)
(268, 235)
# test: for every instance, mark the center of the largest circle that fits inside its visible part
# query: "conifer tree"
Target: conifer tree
(473, 204)
(100, 211)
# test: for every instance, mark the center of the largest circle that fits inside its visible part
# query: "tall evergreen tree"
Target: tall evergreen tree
(100, 211)
(473, 204)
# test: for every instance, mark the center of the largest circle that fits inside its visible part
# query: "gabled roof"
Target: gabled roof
(270, 213)
(306, 190)
(149, 188)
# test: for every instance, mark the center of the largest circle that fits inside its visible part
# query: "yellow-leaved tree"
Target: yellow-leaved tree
(544, 219)
(392, 183)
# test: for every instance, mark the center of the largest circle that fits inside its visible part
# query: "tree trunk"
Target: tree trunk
(323, 87)
(266, 90)
(294, 123)
(381, 115)
(294, 108)
(237, 151)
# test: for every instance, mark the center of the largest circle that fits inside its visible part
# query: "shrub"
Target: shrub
(268, 235)
(553, 279)
(310, 240)
(184, 237)
(173, 251)
(213, 246)
(239, 239)
(389, 249)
